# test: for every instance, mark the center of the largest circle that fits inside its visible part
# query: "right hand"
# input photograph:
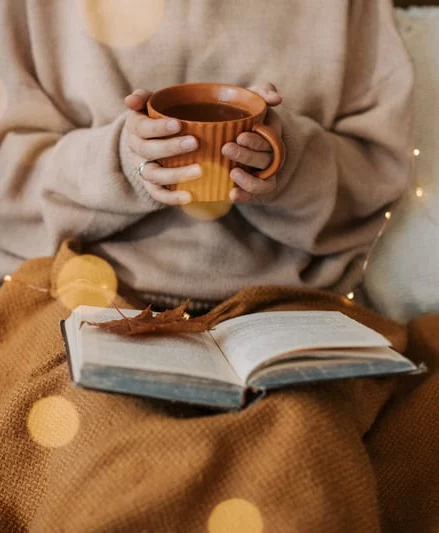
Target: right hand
(146, 140)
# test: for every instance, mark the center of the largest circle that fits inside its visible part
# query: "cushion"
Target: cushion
(402, 276)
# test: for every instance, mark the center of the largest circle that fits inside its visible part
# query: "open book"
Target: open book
(231, 365)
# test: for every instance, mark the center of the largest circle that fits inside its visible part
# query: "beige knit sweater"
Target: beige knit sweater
(65, 68)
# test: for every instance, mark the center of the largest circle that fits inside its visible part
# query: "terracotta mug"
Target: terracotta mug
(215, 114)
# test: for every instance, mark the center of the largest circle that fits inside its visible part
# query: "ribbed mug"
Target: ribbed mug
(215, 183)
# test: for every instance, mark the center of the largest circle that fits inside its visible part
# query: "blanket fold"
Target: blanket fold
(342, 456)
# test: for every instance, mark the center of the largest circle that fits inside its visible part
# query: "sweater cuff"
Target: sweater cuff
(129, 163)
(295, 136)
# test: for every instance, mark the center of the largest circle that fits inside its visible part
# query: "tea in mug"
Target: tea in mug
(206, 112)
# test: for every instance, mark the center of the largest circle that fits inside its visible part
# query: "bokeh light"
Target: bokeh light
(214, 186)
(86, 280)
(207, 210)
(53, 422)
(120, 23)
(235, 516)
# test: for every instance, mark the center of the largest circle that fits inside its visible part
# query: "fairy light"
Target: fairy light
(350, 295)
(419, 191)
(8, 279)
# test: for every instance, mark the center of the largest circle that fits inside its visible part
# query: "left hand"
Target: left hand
(251, 150)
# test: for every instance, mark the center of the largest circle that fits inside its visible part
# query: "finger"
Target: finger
(237, 195)
(254, 141)
(153, 149)
(137, 99)
(167, 197)
(251, 184)
(268, 92)
(157, 175)
(247, 157)
(149, 128)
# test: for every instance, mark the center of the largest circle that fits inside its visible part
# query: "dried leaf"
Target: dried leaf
(170, 321)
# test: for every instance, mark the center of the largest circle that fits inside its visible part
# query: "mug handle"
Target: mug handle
(278, 151)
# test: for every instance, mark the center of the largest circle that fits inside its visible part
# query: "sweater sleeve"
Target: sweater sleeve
(58, 179)
(339, 179)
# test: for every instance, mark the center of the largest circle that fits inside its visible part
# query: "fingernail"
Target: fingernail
(185, 198)
(236, 173)
(233, 194)
(188, 144)
(140, 92)
(229, 150)
(194, 171)
(172, 126)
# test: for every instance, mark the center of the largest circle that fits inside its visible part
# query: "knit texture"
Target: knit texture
(346, 82)
(296, 461)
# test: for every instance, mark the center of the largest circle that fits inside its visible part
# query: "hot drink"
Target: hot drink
(206, 112)
(215, 114)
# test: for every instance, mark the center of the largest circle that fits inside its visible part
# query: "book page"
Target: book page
(303, 370)
(192, 354)
(251, 340)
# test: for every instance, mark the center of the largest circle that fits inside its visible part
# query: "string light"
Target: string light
(350, 296)
(8, 279)
(419, 193)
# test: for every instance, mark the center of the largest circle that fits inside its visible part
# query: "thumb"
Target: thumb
(268, 92)
(136, 101)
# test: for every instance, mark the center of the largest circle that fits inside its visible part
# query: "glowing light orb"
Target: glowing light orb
(120, 23)
(235, 516)
(207, 210)
(53, 422)
(86, 280)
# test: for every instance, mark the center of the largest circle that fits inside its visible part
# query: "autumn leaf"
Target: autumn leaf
(146, 322)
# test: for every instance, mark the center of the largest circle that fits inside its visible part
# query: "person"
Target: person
(336, 75)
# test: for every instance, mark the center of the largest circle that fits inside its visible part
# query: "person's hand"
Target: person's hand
(251, 150)
(145, 138)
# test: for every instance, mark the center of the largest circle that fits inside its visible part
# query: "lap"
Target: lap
(98, 462)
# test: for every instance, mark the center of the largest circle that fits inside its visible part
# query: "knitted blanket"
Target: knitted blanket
(355, 456)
